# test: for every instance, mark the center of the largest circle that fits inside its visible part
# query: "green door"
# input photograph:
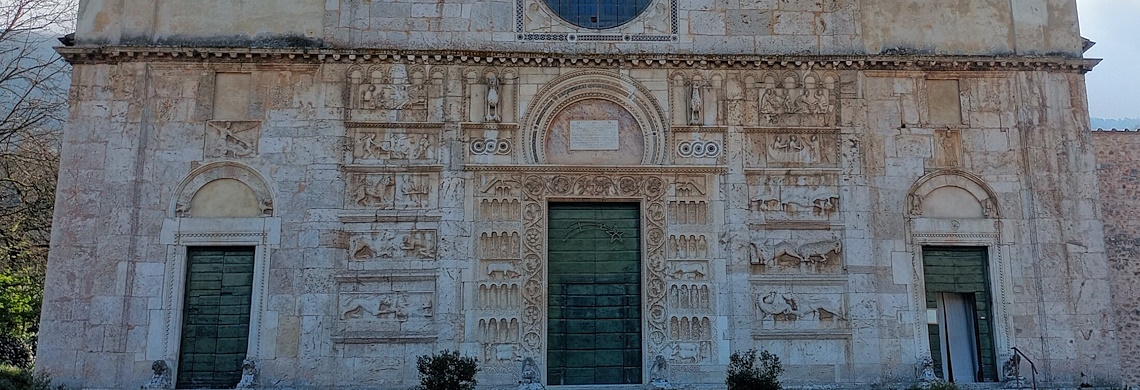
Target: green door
(594, 295)
(215, 320)
(959, 315)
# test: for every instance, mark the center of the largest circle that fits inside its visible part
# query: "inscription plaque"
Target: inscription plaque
(594, 135)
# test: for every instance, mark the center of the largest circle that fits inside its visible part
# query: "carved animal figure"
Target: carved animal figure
(504, 270)
(772, 307)
(695, 103)
(493, 99)
(690, 352)
(812, 252)
(812, 306)
(505, 352)
(659, 372)
(691, 271)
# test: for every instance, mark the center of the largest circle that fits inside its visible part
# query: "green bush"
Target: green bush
(14, 351)
(941, 385)
(744, 374)
(447, 371)
(17, 378)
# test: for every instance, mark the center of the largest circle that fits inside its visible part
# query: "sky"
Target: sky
(1114, 85)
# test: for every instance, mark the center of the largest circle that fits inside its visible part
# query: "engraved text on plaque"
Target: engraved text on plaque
(594, 135)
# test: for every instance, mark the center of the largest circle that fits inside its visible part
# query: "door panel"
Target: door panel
(594, 295)
(959, 275)
(215, 319)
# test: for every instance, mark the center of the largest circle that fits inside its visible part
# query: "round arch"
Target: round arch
(951, 183)
(218, 172)
(612, 87)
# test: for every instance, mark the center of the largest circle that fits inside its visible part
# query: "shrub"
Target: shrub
(14, 351)
(744, 374)
(941, 385)
(17, 378)
(447, 371)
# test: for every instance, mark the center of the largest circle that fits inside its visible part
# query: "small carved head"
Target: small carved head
(159, 367)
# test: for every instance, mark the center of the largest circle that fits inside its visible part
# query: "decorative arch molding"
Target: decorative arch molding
(952, 178)
(985, 229)
(180, 232)
(209, 173)
(610, 86)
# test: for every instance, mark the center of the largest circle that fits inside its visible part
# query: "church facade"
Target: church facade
(305, 194)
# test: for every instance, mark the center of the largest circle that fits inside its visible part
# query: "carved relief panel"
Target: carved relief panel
(392, 144)
(800, 252)
(391, 243)
(497, 198)
(385, 308)
(801, 307)
(396, 93)
(698, 146)
(696, 98)
(689, 200)
(492, 95)
(797, 99)
(392, 191)
(794, 197)
(490, 143)
(790, 148)
(232, 139)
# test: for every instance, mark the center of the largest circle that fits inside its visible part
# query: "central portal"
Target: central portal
(594, 304)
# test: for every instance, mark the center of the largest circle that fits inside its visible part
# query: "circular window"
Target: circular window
(598, 14)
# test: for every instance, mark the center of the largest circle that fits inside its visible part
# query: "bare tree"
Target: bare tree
(34, 83)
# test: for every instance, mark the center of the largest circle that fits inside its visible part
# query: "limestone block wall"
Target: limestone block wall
(1116, 162)
(966, 27)
(398, 210)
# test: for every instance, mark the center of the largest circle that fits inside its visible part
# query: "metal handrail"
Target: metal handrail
(1032, 367)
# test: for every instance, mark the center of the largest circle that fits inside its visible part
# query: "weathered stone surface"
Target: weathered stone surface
(398, 203)
(1116, 156)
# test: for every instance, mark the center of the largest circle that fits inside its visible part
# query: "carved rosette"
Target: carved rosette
(536, 189)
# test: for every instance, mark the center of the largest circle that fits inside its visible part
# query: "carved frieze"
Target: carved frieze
(392, 191)
(689, 270)
(498, 296)
(688, 297)
(791, 148)
(802, 307)
(802, 99)
(792, 197)
(800, 252)
(232, 139)
(385, 308)
(692, 339)
(379, 245)
(384, 145)
(691, 246)
(395, 93)
(499, 245)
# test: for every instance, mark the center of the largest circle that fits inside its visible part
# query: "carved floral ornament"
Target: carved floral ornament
(209, 173)
(609, 86)
(536, 189)
(951, 180)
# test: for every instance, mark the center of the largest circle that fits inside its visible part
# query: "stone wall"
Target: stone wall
(963, 27)
(1116, 155)
(371, 181)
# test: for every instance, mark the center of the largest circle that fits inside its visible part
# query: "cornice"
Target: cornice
(118, 54)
